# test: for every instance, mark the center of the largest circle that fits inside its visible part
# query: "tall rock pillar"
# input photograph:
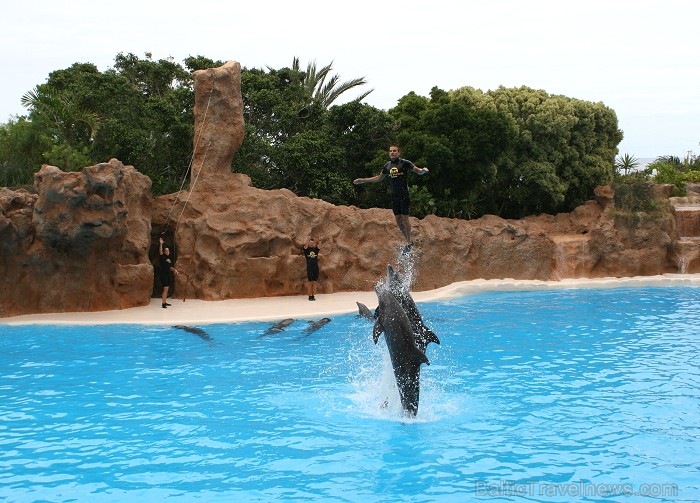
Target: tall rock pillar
(218, 123)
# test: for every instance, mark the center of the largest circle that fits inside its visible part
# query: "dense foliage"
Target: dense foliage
(139, 112)
(510, 152)
(665, 169)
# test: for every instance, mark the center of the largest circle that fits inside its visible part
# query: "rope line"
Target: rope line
(193, 185)
(197, 138)
(196, 177)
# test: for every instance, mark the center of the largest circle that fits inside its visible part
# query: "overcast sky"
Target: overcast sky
(639, 58)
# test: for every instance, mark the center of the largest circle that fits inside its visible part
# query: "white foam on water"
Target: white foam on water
(374, 393)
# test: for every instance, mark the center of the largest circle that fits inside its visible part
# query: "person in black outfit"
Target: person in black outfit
(166, 272)
(311, 251)
(397, 170)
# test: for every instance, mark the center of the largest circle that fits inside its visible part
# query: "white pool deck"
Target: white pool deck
(201, 312)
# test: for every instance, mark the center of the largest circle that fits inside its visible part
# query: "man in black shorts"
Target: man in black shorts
(311, 251)
(397, 170)
(166, 271)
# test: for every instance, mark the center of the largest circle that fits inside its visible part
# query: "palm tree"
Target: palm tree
(69, 128)
(63, 116)
(321, 92)
(673, 160)
(626, 163)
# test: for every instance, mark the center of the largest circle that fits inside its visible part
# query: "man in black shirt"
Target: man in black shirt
(397, 170)
(166, 271)
(311, 252)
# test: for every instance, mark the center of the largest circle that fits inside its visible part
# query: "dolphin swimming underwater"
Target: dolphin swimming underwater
(279, 326)
(406, 357)
(196, 331)
(315, 325)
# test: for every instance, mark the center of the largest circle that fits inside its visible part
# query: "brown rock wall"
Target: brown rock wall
(79, 244)
(240, 241)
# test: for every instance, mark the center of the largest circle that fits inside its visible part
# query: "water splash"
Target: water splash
(406, 267)
(375, 393)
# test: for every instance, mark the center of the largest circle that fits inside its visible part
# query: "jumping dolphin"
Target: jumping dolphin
(423, 334)
(315, 325)
(406, 357)
(196, 331)
(279, 326)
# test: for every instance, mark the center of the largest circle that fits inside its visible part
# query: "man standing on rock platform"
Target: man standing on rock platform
(397, 170)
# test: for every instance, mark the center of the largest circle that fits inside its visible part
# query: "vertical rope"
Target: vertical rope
(192, 186)
(197, 138)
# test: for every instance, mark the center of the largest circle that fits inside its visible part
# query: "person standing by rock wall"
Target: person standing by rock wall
(166, 272)
(311, 251)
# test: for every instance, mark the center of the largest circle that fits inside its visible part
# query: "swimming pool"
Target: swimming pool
(566, 395)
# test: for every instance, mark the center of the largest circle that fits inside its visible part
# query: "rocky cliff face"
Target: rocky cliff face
(240, 241)
(79, 244)
(87, 241)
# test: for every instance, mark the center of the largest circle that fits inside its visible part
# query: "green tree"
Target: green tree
(273, 110)
(460, 143)
(673, 160)
(510, 152)
(671, 169)
(319, 91)
(68, 129)
(20, 152)
(562, 150)
(295, 142)
(146, 111)
(64, 118)
(141, 112)
(311, 160)
(363, 132)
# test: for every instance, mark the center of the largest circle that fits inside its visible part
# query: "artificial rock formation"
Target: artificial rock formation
(79, 244)
(244, 242)
(218, 123)
(82, 242)
(233, 240)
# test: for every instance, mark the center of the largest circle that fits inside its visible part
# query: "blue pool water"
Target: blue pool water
(567, 395)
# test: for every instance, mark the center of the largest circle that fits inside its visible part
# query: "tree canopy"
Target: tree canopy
(510, 151)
